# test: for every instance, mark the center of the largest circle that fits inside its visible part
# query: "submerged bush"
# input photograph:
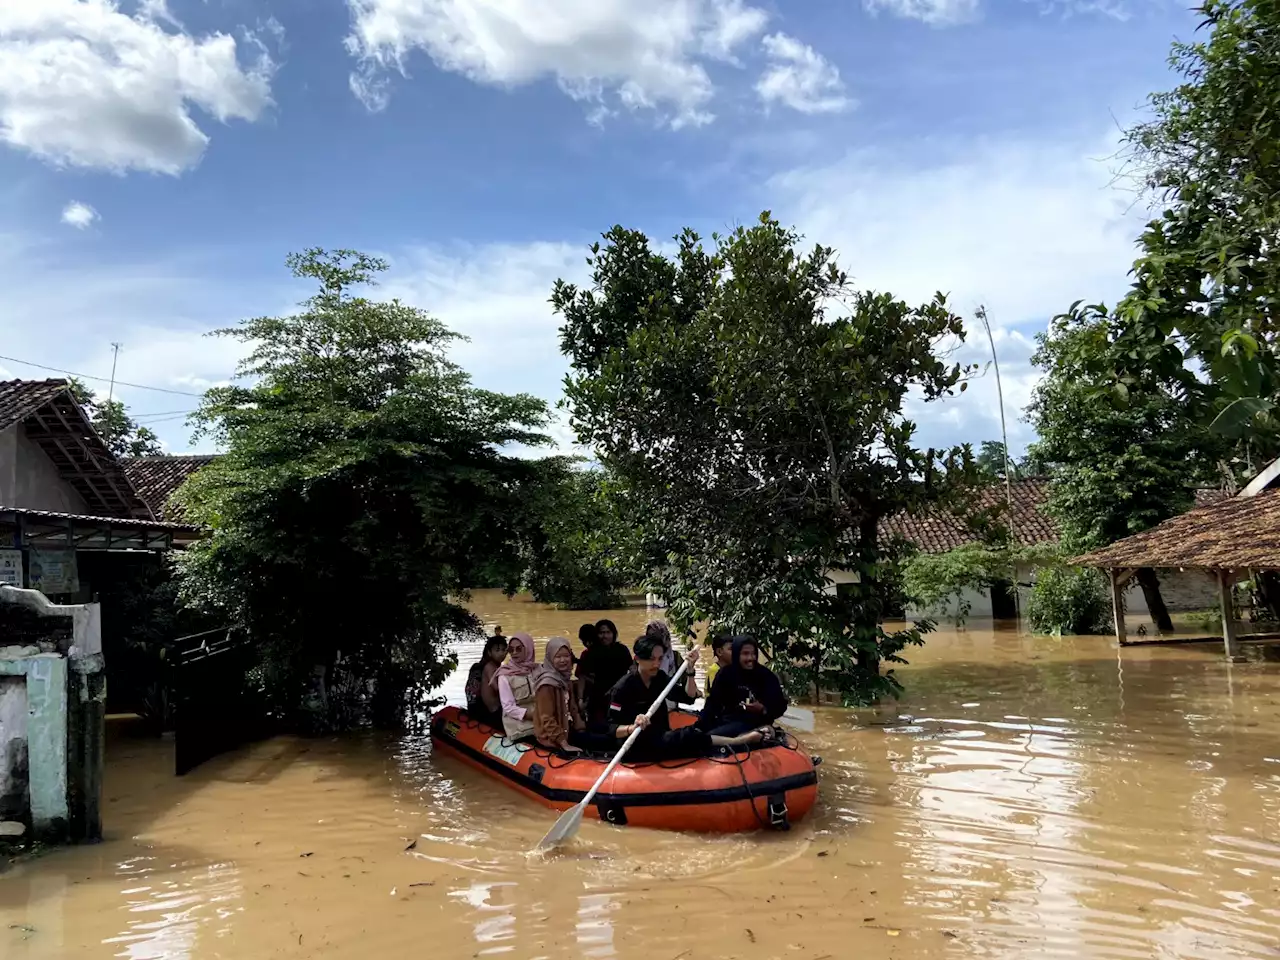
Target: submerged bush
(1069, 600)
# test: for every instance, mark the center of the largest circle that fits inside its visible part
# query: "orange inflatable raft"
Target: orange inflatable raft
(769, 787)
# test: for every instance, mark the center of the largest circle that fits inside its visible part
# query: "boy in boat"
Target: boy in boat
(633, 694)
(722, 649)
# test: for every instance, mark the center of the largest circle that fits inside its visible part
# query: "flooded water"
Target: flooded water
(1029, 797)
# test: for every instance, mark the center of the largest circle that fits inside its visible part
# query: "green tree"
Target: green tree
(363, 486)
(1203, 310)
(1120, 462)
(576, 552)
(749, 404)
(110, 419)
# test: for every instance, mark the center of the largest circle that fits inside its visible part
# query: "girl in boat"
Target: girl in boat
(514, 684)
(483, 701)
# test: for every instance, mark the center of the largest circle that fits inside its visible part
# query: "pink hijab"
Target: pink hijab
(517, 667)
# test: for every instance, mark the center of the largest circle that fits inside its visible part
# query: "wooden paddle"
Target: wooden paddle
(567, 826)
(797, 718)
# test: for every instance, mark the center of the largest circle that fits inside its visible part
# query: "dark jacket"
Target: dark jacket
(734, 686)
(630, 697)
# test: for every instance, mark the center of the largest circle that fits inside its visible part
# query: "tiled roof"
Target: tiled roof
(1235, 533)
(938, 532)
(157, 479)
(53, 420)
(18, 398)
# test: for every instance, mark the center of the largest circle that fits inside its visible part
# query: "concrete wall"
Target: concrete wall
(52, 719)
(28, 478)
(15, 802)
(1183, 590)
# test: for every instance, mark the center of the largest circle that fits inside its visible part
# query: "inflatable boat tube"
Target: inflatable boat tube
(768, 787)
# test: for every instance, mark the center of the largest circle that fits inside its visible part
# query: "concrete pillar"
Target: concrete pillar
(1226, 581)
(47, 746)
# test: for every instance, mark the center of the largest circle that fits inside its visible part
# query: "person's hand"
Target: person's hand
(570, 748)
(642, 722)
(755, 706)
(691, 658)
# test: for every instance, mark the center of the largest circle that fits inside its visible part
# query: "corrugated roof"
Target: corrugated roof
(127, 522)
(157, 479)
(53, 420)
(1236, 533)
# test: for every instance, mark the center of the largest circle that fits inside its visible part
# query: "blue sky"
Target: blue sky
(158, 161)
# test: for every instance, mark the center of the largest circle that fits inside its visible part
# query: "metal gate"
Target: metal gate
(216, 709)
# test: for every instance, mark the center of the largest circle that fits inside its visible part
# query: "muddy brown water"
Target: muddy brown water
(1029, 797)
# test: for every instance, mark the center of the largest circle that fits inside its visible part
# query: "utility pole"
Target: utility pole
(981, 313)
(115, 356)
(111, 391)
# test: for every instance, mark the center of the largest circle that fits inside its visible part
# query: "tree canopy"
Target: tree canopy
(112, 422)
(1202, 312)
(750, 404)
(364, 483)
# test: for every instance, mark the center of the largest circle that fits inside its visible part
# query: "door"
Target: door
(216, 709)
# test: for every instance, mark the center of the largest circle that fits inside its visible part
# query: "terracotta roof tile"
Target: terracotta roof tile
(19, 398)
(157, 479)
(938, 532)
(1234, 533)
(53, 420)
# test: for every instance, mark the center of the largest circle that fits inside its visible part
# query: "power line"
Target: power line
(89, 376)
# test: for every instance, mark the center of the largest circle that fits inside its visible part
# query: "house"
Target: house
(157, 479)
(65, 499)
(1224, 541)
(1030, 525)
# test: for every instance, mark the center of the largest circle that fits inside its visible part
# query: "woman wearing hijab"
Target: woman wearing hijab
(745, 695)
(555, 710)
(515, 687)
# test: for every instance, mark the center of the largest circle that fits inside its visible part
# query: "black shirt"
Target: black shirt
(604, 665)
(630, 697)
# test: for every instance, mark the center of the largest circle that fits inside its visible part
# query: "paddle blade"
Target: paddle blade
(564, 829)
(798, 718)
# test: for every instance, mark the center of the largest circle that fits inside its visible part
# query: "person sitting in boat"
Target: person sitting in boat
(602, 665)
(722, 652)
(745, 694)
(556, 718)
(587, 637)
(483, 702)
(633, 695)
(514, 684)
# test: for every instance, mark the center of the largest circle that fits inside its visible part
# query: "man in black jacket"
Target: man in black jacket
(632, 696)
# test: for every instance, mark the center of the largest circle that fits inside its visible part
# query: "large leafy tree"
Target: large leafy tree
(363, 486)
(1203, 310)
(1122, 460)
(749, 403)
(577, 547)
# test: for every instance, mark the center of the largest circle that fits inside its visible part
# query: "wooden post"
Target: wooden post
(1225, 583)
(1117, 603)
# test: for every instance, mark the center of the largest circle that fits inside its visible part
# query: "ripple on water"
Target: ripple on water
(1030, 797)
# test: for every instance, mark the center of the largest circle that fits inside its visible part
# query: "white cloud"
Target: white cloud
(799, 77)
(85, 85)
(1025, 228)
(935, 12)
(79, 215)
(643, 54)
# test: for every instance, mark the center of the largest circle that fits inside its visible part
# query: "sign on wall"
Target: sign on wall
(53, 571)
(11, 568)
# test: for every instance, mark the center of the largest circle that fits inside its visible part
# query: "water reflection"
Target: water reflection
(1029, 797)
